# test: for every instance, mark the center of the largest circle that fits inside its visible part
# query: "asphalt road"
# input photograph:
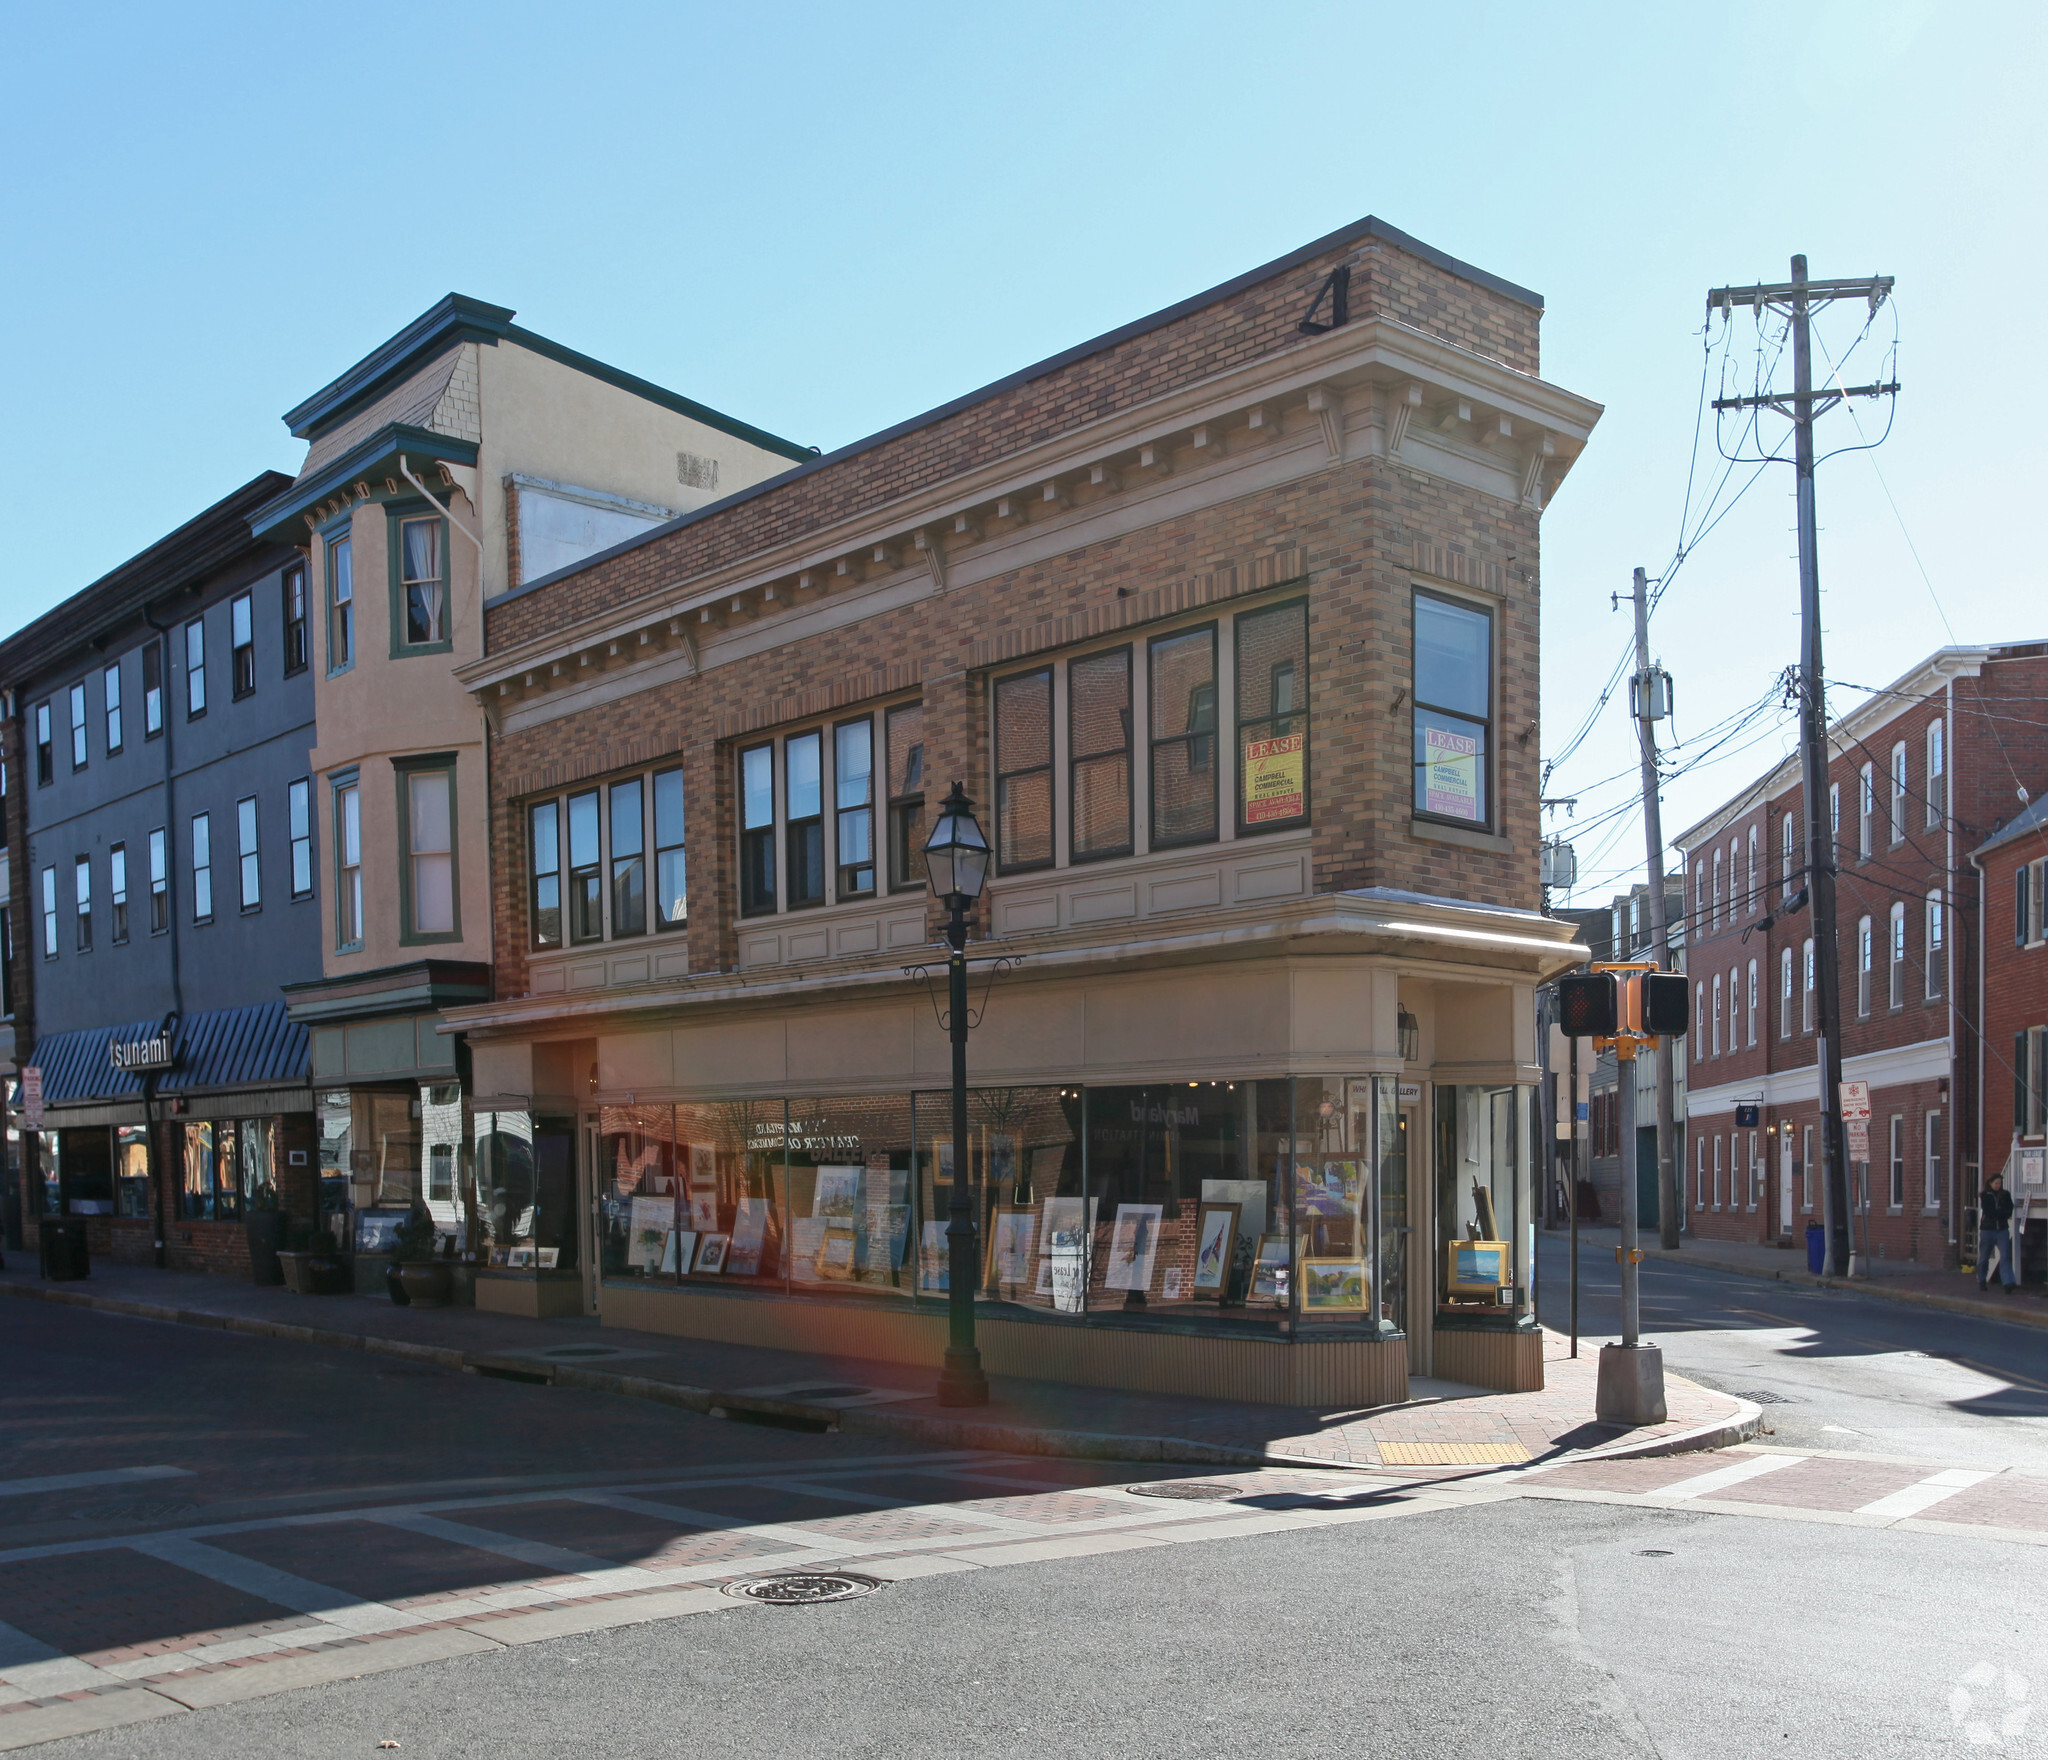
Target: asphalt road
(1832, 1368)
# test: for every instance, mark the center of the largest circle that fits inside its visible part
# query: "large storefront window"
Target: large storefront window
(1482, 1161)
(525, 1191)
(131, 1170)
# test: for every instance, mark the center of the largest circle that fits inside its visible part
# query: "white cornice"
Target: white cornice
(1493, 428)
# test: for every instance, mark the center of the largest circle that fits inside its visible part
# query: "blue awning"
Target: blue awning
(259, 1047)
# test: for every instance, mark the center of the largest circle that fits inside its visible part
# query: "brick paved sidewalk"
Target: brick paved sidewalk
(1445, 1424)
(1890, 1280)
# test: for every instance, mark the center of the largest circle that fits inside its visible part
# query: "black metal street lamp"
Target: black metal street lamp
(956, 861)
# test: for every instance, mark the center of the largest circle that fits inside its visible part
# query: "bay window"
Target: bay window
(1453, 709)
(428, 859)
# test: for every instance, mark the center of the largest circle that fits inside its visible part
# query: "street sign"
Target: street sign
(1747, 1114)
(32, 1096)
(1855, 1100)
(1859, 1139)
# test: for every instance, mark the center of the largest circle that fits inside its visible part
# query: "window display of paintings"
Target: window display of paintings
(1333, 1285)
(1010, 1239)
(932, 1262)
(680, 1251)
(650, 1222)
(749, 1239)
(1270, 1271)
(1215, 1250)
(1133, 1247)
(711, 1254)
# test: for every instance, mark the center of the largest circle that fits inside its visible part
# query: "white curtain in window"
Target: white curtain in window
(433, 854)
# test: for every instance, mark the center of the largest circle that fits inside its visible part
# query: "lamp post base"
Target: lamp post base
(961, 1382)
(1631, 1385)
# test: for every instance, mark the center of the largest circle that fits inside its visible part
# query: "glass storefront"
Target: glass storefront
(1281, 1205)
(386, 1149)
(524, 1191)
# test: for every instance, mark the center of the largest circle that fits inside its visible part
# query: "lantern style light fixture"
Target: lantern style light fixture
(1411, 1037)
(957, 854)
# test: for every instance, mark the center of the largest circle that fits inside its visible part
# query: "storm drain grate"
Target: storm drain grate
(1188, 1490)
(802, 1588)
(1763, 1396)
(136, 1509)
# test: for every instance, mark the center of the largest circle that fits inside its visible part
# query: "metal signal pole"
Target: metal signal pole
(1652, 702)
(1797, 298)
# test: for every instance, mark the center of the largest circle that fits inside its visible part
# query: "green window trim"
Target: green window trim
(339, 530)
(397, 516)
(406, 769)
(348, 892)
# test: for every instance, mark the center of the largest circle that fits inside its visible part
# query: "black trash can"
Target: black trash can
(265, 1230)
(63, 1248)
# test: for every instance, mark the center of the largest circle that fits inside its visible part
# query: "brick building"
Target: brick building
(2012, 1055)
(1920, 774)
(1228, 622)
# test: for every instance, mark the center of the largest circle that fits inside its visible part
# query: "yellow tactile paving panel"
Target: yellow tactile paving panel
(1451, 1454)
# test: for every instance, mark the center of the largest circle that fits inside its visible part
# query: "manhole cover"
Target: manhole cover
(1764, 1397)
(1188, 1490)
(802, 1588)
(139, 1509)
(834, 1392)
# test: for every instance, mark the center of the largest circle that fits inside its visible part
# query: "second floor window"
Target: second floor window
(110, 680)
(422, 583)
(671, 874)
(1898, 794)
(341, 604)
(348, 866)
(757, 830)
(430, 852)
(1937, 952)
(1024, 771)
(1898, 956)
(1866, 810)
(242, 644)
(78, 727)
(49, 913)
(629, 859)
(803, 829)
(1807, 993)
(853, 772)
(543, 821)
(1099, 755)
(202, 867)
(245, 849)
(903, 731)
(46, 766)
(152, 689)
(586, 868)
(1453, 708)
(117, 894)
(299, 804)
(1866, 963)
(295, 632)
(159, 882)
(1183, 737)
(195, 668)
(1785, 994)
(82, 871)
(604, 838)
(1937, 772)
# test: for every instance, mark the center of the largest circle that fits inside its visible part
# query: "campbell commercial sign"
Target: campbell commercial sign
(141, 1056)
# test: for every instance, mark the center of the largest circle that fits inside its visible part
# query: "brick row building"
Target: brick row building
(1930, 779)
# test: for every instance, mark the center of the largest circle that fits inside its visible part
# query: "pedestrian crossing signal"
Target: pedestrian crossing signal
(1666, 1004)
(1588, 1006)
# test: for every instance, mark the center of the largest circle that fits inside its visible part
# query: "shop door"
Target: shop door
(588, 1162)
(1785, 1182)
(1421, 1252)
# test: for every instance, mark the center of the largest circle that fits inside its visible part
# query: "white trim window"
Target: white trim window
(348, 866)
(1714, 898)
(1752, 897)
(299, 799)
(1866, 811)
(1937, 771)
(1897, 949)
(49, 913)
(110, 684)
(1806, 1002)
(1749, 1027)
(1806, 1168)
(202, 867)
(195, 669)
(1866, 963)
(1896, 1196)
(1785, 861)
(1734, 1009)
(1933, 1160)
(1898, 780)
(245, 848)
(607, 862)
(1717, 1014)
(1785, 993)
(1937, 945)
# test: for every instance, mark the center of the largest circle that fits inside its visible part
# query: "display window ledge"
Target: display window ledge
(1207, 1325)
(1450, 1320)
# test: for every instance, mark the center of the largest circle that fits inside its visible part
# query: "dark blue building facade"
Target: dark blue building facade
(163, 883)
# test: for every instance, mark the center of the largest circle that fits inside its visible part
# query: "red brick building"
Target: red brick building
(1921, 772)
(1227, 620)
(2012, 1057)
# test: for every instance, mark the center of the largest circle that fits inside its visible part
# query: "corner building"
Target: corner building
(1227, 620)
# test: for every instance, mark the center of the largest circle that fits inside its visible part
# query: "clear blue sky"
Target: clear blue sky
(824, 219)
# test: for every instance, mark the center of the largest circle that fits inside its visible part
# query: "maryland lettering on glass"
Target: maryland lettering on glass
(629, 860)
(671, 872)
(1183, 745)
(904, 736)
(1024, 771)
(1453, 710)
(757, 831)
(543, 821)
(853, 793)
(242, 644)
(1272, 718)
(803, 811)
(1099, 744)
(586, 869)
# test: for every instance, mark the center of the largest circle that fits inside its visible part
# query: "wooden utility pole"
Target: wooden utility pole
(1650, 702)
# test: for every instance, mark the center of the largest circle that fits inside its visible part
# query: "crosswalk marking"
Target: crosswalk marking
(1925, 1495)
(85, 1481)
(1706, 1484)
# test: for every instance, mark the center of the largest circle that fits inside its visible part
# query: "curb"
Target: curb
(1863, 1286)
(947, 1433)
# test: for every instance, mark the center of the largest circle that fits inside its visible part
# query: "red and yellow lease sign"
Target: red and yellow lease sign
(1275, 779)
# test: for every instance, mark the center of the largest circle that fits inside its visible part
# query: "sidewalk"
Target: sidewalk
(1892, 1280)
(1444, 1424)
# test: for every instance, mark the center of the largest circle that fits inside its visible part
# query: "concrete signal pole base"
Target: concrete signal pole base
(1631, 1385)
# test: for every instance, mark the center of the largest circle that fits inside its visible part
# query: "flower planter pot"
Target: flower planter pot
(426, 1286)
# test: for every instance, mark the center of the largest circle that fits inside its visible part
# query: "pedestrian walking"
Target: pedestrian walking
(1994, 1233)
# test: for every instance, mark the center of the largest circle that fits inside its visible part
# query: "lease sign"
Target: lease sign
(1450, 773)
(1274, 779)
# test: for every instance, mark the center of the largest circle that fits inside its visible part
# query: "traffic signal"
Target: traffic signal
(1588, 1006)
(1667, 1004)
